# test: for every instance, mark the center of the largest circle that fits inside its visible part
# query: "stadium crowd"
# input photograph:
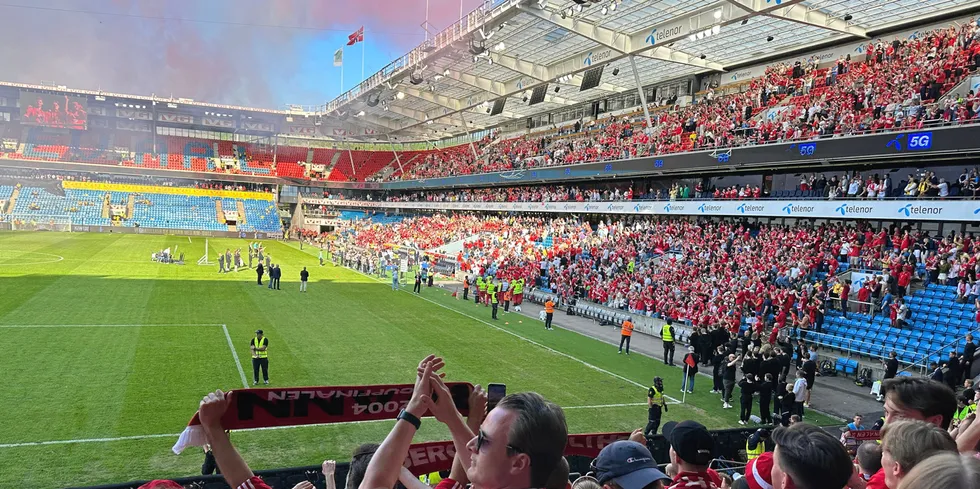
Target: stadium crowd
(901, 84)
(520, 443)
(898, 85)
(848, 185)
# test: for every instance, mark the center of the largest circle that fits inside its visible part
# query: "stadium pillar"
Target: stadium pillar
(466, 130)
(397, 158)
(643, 96)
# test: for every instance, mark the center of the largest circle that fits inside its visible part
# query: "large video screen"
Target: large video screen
(52, 110)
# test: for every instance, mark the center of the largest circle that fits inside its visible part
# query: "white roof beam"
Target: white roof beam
(624, 43)
(440, 100)
(525, 68)
(802, 14)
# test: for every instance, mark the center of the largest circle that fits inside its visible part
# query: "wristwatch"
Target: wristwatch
(410, 418)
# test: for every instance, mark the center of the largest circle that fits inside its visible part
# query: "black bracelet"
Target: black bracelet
(407, 416)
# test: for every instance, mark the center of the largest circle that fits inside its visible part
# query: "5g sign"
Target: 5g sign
(915, 141)
(920, 141)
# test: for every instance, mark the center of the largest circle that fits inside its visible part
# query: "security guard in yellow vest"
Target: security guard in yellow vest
(964, 407)
(755, 446)
(655, 402)
(667, 335)
(260, 357)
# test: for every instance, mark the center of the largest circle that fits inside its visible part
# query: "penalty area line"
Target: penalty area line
(238, 363)
(271, 428)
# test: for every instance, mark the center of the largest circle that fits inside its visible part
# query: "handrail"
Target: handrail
(851, 341)
(925, 124)
(939, 350)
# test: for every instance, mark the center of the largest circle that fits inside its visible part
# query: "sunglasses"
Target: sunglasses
(481, 439)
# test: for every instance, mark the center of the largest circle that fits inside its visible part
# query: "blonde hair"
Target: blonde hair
(910, 442)
(944, 470)
(586, 482)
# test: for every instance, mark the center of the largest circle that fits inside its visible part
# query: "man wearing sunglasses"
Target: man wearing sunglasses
(518, 445)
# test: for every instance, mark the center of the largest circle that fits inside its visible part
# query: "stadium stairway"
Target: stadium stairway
(219, 213)
(12, 200)
(130, 205)
(241, 211)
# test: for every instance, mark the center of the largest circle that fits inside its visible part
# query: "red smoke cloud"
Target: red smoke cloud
(238, 56)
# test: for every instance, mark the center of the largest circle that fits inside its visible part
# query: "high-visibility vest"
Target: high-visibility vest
(658, 396)
(491, 288)
(627, 328)
(260, 343)
(665, 333)
(961, 414)
(760, 448)
(549, 307)
(481, 285)
(518, 287)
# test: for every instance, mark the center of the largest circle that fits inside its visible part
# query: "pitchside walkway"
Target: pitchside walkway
(837, 396)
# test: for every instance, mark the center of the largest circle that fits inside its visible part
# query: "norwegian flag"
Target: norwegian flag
(356, 37)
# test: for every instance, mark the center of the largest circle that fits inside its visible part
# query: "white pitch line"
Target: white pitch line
(566, 355)
(271, 428)
(11, 326)
(238, 363)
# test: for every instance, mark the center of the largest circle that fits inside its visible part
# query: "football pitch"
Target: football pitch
(106, 355)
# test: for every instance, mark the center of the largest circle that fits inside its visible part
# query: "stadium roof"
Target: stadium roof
(533, 42)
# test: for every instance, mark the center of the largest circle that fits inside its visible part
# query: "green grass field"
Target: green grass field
(106, 355)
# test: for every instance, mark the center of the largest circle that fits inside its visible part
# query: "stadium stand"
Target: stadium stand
(87, 203)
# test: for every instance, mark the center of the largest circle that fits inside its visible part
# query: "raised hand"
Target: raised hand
(213, 407)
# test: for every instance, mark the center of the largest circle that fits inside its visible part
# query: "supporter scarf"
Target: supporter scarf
(296, 406)
(426, 458)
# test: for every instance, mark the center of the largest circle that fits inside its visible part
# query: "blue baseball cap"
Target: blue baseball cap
(627, 463)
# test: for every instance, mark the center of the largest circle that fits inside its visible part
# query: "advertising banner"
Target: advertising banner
(894, 210)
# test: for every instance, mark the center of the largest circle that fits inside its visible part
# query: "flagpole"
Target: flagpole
(341, 73)
(362, 58)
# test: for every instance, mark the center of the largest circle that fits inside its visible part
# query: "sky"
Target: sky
(256, 53)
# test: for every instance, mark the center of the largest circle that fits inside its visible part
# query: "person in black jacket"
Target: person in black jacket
(787, 404)
(704, 346)
(718, 369)
(418, 283)
(954, 370)
(765, 398)
(891, 366)
(260, 271)
(969, 351)
(748, 387)
(729, 379)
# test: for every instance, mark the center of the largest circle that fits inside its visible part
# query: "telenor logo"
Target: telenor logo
(751, 208)
(667, 208)
(588, 59)
(845, 209)
(920, 210)
(709, 208)
(652, 38)
(791, 208)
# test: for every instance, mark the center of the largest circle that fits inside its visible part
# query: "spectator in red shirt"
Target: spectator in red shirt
(691, 450)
